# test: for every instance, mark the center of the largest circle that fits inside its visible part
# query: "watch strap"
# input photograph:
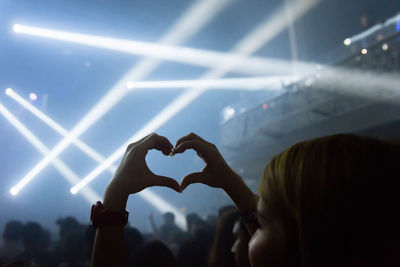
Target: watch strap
(99, 216)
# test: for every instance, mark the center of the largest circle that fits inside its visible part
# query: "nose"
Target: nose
(252, 238)
(234, 246)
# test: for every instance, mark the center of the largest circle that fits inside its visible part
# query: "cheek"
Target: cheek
(257, 247)
(267, 249)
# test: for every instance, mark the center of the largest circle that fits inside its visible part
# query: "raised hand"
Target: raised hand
(216, 173)
(133, 175)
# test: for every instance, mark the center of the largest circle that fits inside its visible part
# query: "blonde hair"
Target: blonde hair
(338, 197)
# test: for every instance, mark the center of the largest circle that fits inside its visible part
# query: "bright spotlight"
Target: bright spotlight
(66, 172)
(256, 39)
(385, 47)
(347, 42)
(13, 191)
(17, 28)
(8, 91)
(364, 51)
(32, 96)
(228, 113)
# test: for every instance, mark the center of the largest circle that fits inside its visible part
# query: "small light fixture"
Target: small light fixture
(33, 96)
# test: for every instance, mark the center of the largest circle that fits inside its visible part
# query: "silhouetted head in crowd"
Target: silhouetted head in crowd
(133, 239)
(67, 225)
(169, 218)
(221, 250)
(331, 201)
(12, 231)
(152, 254)
(240, 246)
(191, 220)
(194, 221)
(168, 228)
(32, 234)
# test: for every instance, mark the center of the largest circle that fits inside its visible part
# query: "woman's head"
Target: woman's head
(329, 201)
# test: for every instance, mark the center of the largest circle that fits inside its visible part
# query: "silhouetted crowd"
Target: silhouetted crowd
(30, 244)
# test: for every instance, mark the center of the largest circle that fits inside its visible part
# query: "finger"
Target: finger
(166, 182)
(196, 177)
(133, 144)
(196, 145)
(189, 137)
(200, 155)
(155, 141)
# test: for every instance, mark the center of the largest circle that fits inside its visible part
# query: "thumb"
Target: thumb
(192, 178)
(159, 180)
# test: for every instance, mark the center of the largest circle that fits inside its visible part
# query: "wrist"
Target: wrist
(114, 198)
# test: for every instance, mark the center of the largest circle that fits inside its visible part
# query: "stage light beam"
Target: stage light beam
(184, 55)
(67, 173)
(256, 83)
(57, 127)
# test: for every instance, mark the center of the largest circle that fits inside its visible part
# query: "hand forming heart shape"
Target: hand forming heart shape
(133, 174)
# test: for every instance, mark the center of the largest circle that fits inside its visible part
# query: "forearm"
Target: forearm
(240, 193)
(243, 198)
(109, 246)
